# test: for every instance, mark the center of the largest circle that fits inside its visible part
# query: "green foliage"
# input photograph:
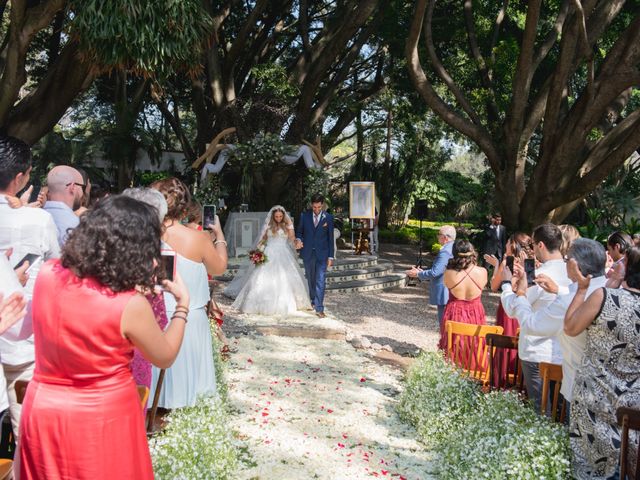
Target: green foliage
(272, 81)
(148, 38)
(408, 235)
(478, 435)
(316, 181)
(144, 179)
(435, 248)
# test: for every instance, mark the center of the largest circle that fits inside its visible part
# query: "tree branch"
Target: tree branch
(475, 132)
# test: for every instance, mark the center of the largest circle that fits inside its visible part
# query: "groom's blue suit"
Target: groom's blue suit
(317, 248)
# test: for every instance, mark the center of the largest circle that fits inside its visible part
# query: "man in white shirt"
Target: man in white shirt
(66, 188)
(587, 257)
(26, 230)
(533, 349)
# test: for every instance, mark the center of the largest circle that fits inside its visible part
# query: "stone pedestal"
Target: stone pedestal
(241, 231)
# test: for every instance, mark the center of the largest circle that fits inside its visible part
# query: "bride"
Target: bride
(278, 286)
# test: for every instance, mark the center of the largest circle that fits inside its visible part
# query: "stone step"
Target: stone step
(392, 280)
(353, 262)
(381, 269)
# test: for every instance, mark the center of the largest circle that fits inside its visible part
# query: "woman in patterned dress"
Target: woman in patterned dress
(609, 376)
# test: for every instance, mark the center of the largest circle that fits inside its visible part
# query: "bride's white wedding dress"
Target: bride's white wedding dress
(277, 287)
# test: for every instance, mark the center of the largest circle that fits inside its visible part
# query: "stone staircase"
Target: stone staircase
(350, 273)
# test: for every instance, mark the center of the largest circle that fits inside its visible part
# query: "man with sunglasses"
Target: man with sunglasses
(66, 189)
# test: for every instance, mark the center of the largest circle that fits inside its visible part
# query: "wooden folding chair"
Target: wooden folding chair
(502, 375)
(628, 418)
(6, 469)
(550, 372)
(151, 415)
(467, 348)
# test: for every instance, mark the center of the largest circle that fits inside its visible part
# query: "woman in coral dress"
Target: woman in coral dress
(465, 281)
(81, 416)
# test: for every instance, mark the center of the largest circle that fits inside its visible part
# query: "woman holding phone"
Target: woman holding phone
(89, 312)
(197, 254)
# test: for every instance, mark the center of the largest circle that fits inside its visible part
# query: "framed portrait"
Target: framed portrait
(362, 199)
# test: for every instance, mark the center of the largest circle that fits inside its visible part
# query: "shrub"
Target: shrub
(436, 400)
(478, 435)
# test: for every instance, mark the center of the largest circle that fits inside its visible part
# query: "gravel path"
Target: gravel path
(401, 318)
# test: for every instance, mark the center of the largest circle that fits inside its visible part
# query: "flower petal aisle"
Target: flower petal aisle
(310, 408)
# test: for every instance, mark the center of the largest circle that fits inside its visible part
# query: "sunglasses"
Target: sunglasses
(81, 185)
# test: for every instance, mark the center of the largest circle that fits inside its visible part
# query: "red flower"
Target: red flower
(363, 379)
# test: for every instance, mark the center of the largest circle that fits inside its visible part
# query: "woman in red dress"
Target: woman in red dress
(81, 416)
(465, 281)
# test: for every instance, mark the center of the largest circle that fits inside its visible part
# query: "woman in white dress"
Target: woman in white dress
(278, 286)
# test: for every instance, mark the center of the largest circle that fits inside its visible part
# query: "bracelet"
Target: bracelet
(217, 242)
(175, 315)
(182, 310)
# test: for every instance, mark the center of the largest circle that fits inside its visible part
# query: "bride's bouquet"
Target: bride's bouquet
(257, 256)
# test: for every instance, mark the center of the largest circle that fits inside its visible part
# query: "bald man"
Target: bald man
(66, 188)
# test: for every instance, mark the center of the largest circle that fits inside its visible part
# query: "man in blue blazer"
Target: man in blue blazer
(314, 239)
(438, 293)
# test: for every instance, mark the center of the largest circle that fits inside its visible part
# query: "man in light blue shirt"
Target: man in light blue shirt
(66, 188)
(438, 293)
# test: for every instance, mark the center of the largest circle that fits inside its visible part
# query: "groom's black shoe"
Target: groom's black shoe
(320, 314)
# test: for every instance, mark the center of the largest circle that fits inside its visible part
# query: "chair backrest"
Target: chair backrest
(6, 469)
(143, 393)
(505, 369)
(467, 348)
(21, 389)
(550, 372)
(628, 418)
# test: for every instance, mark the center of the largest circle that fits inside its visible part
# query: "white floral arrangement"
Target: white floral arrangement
(196, 443)
(436, 399)
(506, 439)
(478, 435)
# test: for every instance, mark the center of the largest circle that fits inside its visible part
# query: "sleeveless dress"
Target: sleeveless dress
(510, 326)
(460, 310)
(608, 378)
(277, 287)
(193, 372)
(81, 416)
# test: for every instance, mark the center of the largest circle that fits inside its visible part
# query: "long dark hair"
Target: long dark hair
(632, 272)
(117, 243)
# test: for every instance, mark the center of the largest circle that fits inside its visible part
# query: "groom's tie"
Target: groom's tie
(315, 220)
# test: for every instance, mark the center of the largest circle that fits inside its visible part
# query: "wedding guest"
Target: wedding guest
(533, 349)
(519, 245)
(495, 237)
(586, 258)
(89, 312)
(198, 253)
(86, 192)
(140, 366)
(66, 189)
(636, 239)
(617, 245)
(569, 234)
(438, 294)
(25, 230)
(609, 376)
(465, 281)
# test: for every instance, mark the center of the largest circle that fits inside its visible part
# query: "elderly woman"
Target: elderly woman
(609, 376)
(140, 366)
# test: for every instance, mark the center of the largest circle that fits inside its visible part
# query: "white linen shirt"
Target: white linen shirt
(26, 230)
(549, 322)
(535, 348)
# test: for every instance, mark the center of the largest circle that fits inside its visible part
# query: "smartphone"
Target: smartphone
(169, 262)
(32, 258)
(208, 216)
(510, 263)
(530, 270)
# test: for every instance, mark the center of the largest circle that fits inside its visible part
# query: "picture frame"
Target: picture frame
(362, 200)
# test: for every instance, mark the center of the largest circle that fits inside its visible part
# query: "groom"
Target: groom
(314, 235)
